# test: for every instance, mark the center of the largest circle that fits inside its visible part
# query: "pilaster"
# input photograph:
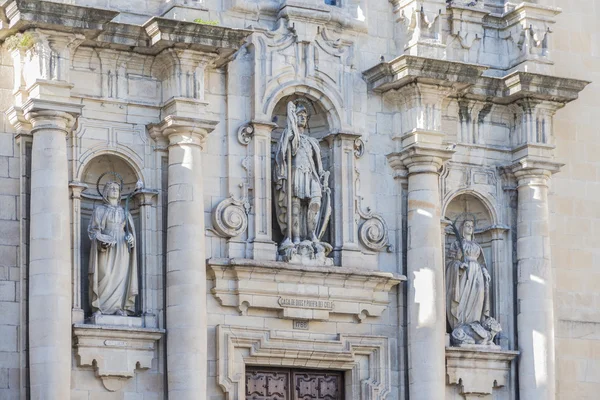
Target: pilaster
(261, 245)
(345, 241)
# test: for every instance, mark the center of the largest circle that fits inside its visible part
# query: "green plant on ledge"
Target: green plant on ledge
(22, 41)
(205, 22)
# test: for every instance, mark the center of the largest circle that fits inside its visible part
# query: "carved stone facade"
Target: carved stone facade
(290, 183)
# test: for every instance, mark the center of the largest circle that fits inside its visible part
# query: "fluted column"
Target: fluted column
(425, 271)
(186, 257)
(50, 258)
(535, 305)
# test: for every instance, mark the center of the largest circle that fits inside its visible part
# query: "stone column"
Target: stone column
(535, 307)
(425, 271)
(50, 256)
(186, 257)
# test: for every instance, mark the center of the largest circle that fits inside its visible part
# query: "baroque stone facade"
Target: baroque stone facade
(278, 199)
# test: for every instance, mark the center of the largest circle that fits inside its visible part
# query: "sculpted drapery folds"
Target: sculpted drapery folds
(302, 194)
(113, 261)
(468, 291)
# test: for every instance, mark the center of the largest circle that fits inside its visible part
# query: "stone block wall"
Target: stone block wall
(575, 204)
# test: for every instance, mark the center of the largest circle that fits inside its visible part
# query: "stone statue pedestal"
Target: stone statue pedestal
(306, 253)
(116, 320)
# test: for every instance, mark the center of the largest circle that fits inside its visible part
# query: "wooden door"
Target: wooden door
(293, 384)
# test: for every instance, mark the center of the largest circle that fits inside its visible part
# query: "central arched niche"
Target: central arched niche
(318, 128)
(92, 177)
(457, 209)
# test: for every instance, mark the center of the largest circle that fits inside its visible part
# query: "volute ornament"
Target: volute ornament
(373, 232)
(230, 217)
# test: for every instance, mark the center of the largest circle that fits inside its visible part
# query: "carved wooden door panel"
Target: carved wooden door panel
(292, 384)
(262, 384)
(314, 385)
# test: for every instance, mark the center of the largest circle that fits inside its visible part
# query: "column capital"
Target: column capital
(420, 158)
(45, 114)
(182, 130)
(534, 172)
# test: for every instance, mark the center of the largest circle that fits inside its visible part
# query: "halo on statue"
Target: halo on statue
(308, 105)
(465, 216)
(116, 175)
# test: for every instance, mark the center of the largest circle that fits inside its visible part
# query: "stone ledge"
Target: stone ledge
(115, 352)
(469, 78)
(478, 371)
(301, 292)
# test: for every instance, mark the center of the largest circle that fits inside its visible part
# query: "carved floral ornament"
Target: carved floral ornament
(230, 217)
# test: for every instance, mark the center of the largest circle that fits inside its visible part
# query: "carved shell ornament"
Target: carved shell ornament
(230, 218)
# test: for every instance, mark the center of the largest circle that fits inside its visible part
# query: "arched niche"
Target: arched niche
(318, 128)
(95, 173)
(490, 236)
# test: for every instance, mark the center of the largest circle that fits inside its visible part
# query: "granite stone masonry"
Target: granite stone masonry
(285, 200)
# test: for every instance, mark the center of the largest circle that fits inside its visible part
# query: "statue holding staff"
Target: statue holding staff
(302, 194)
(113, 270)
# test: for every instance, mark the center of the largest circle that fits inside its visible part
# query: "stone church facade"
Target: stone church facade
(387, 199)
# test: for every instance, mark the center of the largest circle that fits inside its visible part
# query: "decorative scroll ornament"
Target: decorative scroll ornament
(359, 148)
(373, 232)
(245, 134)
(230, 217)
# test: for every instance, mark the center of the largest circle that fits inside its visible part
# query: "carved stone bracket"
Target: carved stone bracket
(230, 217)
(366, 358)
(478, 371)
(115, 352)
(301, 292)
(373, 232)
(245, 134)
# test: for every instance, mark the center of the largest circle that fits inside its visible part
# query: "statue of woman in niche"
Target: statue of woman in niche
(302, 195)
(113, 261)
(468, 289)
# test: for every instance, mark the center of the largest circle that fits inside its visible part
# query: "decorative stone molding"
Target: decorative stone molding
(245, 134)
(230, 217)
(478, 371)
(182, 130)
(364, 358)
(373, 232)
(301, 292)
(115, 352)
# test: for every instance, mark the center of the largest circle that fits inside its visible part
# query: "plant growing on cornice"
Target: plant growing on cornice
(22, 41)
(205, 22)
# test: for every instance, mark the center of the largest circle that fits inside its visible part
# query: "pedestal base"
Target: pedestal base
(478, 369)
(115, 352)
(116, 320)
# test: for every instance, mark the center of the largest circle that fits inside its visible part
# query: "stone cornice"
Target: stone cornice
(95, 24)
(20, 15)
(405, 69)
(468, 79)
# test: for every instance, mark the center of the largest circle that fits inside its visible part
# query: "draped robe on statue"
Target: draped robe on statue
(467, 294)
(112, 269)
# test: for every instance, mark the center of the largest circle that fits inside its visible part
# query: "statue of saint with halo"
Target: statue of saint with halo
(113, 269)
(302, 194)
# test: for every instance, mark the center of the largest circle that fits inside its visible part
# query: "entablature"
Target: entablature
(301, 292)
